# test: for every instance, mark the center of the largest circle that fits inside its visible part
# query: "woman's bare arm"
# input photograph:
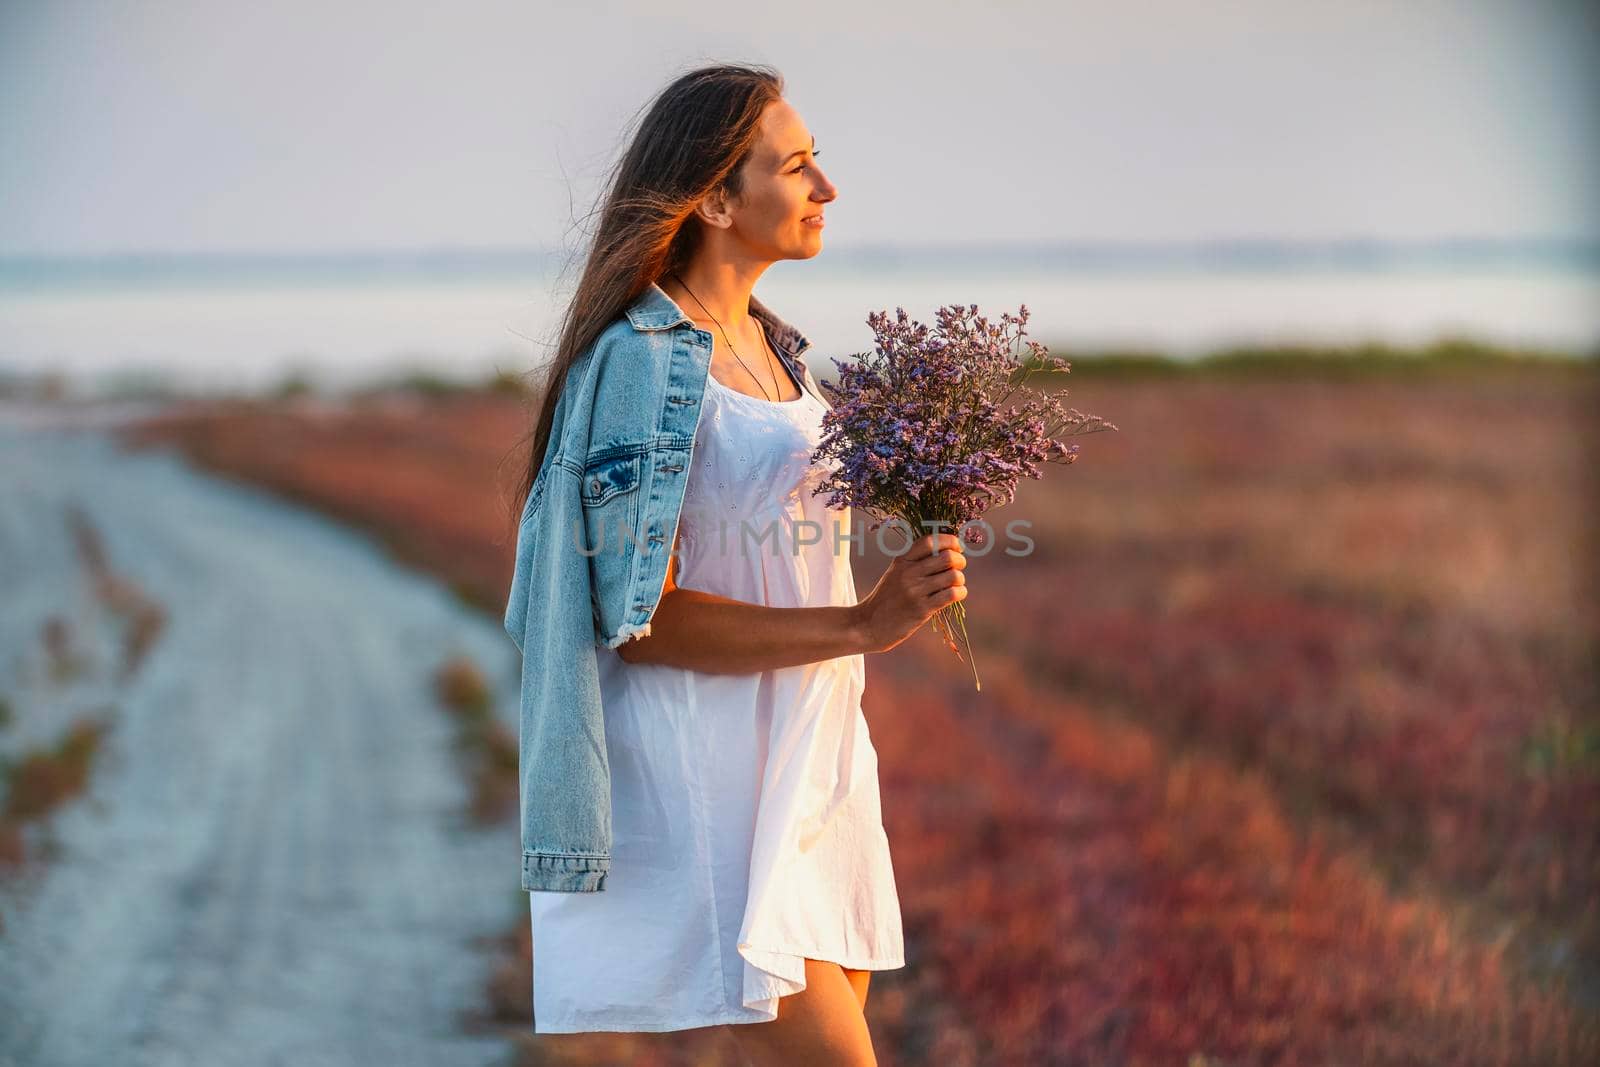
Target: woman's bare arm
(713, 634)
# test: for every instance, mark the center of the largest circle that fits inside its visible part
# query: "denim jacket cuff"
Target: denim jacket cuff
(562, 873)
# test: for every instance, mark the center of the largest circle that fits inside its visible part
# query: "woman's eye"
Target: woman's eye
(803, 166)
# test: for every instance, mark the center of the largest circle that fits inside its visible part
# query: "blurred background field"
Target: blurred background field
(1288, 747)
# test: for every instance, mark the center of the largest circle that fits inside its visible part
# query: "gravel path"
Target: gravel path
(272, 864)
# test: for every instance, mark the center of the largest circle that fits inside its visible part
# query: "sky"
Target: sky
(308, 126)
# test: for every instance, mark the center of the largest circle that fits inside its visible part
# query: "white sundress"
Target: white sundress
(746, 827)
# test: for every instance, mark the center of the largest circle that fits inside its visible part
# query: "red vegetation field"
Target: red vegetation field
(1287, 749)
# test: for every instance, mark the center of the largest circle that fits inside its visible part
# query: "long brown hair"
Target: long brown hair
(694, 139)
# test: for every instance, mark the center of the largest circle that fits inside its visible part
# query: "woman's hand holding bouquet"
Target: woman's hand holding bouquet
(919, 583)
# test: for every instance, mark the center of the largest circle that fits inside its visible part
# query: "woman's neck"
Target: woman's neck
(720, 294)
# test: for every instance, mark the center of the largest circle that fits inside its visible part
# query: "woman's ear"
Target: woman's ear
(713, 209)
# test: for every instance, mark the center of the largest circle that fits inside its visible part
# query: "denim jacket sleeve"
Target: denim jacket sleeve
(565, 797)
(564, 772)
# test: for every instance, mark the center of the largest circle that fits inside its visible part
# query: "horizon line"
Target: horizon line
(439, 253)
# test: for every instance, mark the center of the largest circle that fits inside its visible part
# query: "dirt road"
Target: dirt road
(272, 862)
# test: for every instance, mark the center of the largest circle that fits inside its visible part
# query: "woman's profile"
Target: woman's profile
(750, 885)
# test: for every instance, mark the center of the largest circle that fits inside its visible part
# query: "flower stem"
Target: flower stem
(958, 612)
(912, 517)
(961, 621)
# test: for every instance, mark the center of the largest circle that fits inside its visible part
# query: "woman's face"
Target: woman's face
(783, 186)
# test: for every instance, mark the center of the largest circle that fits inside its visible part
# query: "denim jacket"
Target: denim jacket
(591, 561)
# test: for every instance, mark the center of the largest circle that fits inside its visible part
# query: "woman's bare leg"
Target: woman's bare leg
(822, 1024)
(858, 981)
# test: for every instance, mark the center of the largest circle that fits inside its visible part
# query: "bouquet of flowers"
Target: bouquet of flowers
(935, 427)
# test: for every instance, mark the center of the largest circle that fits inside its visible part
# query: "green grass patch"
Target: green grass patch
(1446, 358)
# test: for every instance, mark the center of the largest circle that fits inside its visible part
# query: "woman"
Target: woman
(750, 887)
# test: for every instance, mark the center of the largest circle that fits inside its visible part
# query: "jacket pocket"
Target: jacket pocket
(611, 477)
(609, 503)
